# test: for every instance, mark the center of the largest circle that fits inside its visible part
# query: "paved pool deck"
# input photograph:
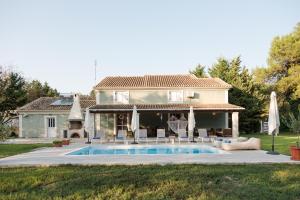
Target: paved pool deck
(54, 156)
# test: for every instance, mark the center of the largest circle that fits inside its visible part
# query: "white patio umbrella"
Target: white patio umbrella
(191, 122)
(134, 123)
(273, 121)
(87, 123)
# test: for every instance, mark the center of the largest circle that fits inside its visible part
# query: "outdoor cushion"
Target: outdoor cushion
(251, 144)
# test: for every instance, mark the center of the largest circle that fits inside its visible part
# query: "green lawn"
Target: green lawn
(282, 142)
(260, 181)
(13, 149)
(280, 181)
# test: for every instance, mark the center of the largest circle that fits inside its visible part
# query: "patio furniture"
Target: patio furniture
(218, 142)
(121, 136)
(161, 135)
(182, 135)
(225, 132)
(99, 138)
(142, 136)
(203, 136)
(219, 132)
(172, 139)
(251, 144)
(211, 132)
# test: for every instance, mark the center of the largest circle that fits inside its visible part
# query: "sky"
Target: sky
(58, 41)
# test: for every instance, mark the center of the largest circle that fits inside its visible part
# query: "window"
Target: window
(51, 122)
(65, 133)
(175, 96)
(121, 97)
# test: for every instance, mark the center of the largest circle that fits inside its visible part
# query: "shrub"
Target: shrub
(293, 123)
(4, 132)
(57, 142)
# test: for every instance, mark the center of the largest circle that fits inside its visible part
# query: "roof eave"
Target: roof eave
(174, 87)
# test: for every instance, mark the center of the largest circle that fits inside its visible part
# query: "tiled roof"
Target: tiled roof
(160, 81)
(173, 107)
(44, 104)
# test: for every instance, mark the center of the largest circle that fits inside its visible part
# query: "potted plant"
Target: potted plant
(293, 124)
(66, 142)
(57, 143)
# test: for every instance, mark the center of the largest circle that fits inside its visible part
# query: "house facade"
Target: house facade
(158, 98)
(52, 117)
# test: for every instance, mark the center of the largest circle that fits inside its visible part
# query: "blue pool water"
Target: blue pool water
(145, 150)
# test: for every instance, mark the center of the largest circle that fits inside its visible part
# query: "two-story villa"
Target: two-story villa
(158, 98)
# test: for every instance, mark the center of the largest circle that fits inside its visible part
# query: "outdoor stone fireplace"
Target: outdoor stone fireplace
(76, 119)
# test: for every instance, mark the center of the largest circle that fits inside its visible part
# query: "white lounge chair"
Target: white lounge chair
(182, 136)
(142, 136)
(100, 137)
(121, 136)
(203, 136)
(161, 135)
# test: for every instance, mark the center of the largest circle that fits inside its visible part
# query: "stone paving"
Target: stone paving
(57, 156)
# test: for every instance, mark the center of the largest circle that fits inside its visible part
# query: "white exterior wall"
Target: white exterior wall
(160, 96)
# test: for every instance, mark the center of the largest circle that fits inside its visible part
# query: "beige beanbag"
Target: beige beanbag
(251, 144)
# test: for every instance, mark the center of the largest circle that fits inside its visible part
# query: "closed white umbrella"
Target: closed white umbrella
(87, 123)
(273, 121)
(134, 123)
(191, 122)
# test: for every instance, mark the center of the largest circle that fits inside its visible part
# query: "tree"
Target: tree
(199, 71)
(48, 91)
(12, 94)
(283, 71)
(16, 92)
(244, 93)
(293, 123)
(35, 89)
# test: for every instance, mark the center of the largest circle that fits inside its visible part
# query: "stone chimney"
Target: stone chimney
(75, 113)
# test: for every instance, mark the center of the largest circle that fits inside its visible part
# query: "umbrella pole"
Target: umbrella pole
(134, 142)
(273, 139)
(193, 137)
(273, 152)
(88, 137)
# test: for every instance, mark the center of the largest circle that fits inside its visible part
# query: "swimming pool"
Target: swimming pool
(146, 150)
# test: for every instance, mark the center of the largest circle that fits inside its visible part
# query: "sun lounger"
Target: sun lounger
(142, 136)
(203, 136)
(161, 135)
(251, 144)
(182, 136)
(121, 136)
(100, 137)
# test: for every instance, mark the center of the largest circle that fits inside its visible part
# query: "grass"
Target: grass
(280, 181)
(282, 142)
(13, 149)
(257, 181)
